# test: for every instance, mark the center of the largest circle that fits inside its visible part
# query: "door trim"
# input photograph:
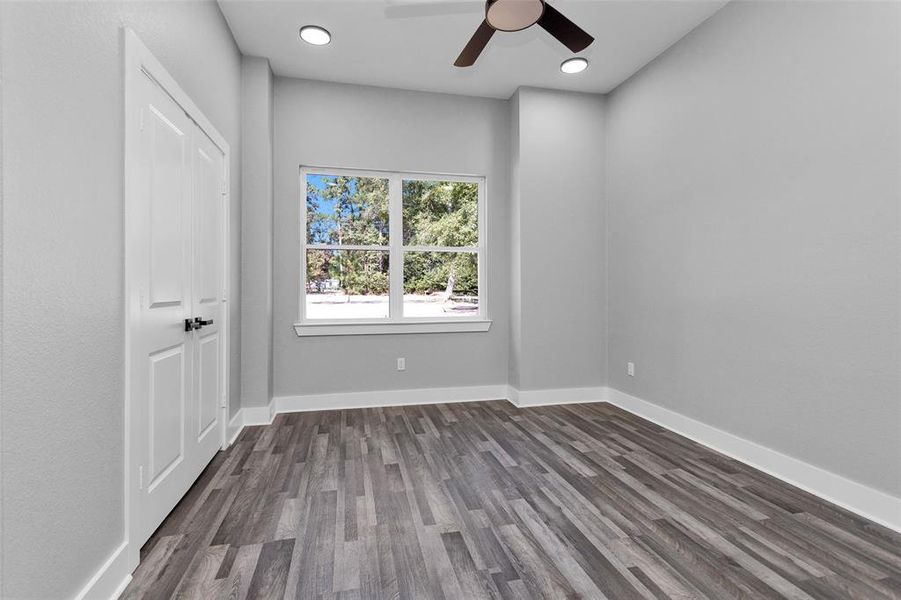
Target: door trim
(139, 63)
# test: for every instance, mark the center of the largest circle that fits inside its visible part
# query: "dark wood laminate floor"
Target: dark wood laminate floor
(484, 500)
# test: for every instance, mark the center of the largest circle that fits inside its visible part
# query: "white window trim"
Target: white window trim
(395, 323)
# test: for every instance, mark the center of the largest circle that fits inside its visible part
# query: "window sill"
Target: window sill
(323, 329)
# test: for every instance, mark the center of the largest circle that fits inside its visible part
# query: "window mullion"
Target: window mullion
(396, 254)
(457, 249)
(364, 247)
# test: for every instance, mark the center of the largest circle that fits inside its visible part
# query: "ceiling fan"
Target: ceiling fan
(516, 15)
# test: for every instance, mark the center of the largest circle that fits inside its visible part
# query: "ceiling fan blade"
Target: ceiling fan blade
(475, 46)
(568, 33)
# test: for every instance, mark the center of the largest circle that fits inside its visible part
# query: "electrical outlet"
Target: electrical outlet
(630, 369)
(401, 364)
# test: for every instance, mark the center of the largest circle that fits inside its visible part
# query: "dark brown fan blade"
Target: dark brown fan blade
(570, 35)
(475, 46)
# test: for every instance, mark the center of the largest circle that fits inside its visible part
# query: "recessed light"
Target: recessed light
(574, 65)
(313, 34)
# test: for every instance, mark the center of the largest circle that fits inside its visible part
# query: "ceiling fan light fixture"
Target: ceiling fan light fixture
(315, 35)
(513, 15)
(574, 65)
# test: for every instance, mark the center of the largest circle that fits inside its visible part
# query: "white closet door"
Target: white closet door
(177, 346)
(163, 363)
(208, 292)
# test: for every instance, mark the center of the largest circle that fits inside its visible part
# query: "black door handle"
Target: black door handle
(200, 322)
(191, 325)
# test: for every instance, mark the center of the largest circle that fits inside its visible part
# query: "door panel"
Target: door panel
(208, 384)
(168, 172)
(208, 244)
(167, 413)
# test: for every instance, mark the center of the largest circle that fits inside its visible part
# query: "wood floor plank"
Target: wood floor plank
(486, 500)
(238, 583)
(271, 572)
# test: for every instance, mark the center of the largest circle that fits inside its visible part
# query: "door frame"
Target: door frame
(139, 62)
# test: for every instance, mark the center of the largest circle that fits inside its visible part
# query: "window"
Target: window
(391, 253)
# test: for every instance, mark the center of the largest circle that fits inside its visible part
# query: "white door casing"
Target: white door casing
(176, 215)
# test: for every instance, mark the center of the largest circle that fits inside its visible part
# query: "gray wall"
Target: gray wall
(256, 238)
(327, 124)
(62, 354)
(558, 235)
(754, 231)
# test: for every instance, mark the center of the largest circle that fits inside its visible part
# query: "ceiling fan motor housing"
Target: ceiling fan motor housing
(513, 15)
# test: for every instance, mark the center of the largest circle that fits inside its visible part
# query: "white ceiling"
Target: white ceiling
(412, 44)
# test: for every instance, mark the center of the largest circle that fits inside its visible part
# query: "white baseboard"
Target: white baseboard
(257, 415)
(283, 404)
(235, 426)
(865, 501)
(526, 398)
(263, 415)
(111, 579)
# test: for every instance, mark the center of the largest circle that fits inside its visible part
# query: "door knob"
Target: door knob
(191, 325)
(198, 322)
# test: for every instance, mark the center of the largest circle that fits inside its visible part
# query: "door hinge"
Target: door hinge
(224, 188)
(223, 404)
(141, 477)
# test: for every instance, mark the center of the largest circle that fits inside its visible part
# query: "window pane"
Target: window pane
(347, 284)
(440, 213)
(441, 284)
(347, 210)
